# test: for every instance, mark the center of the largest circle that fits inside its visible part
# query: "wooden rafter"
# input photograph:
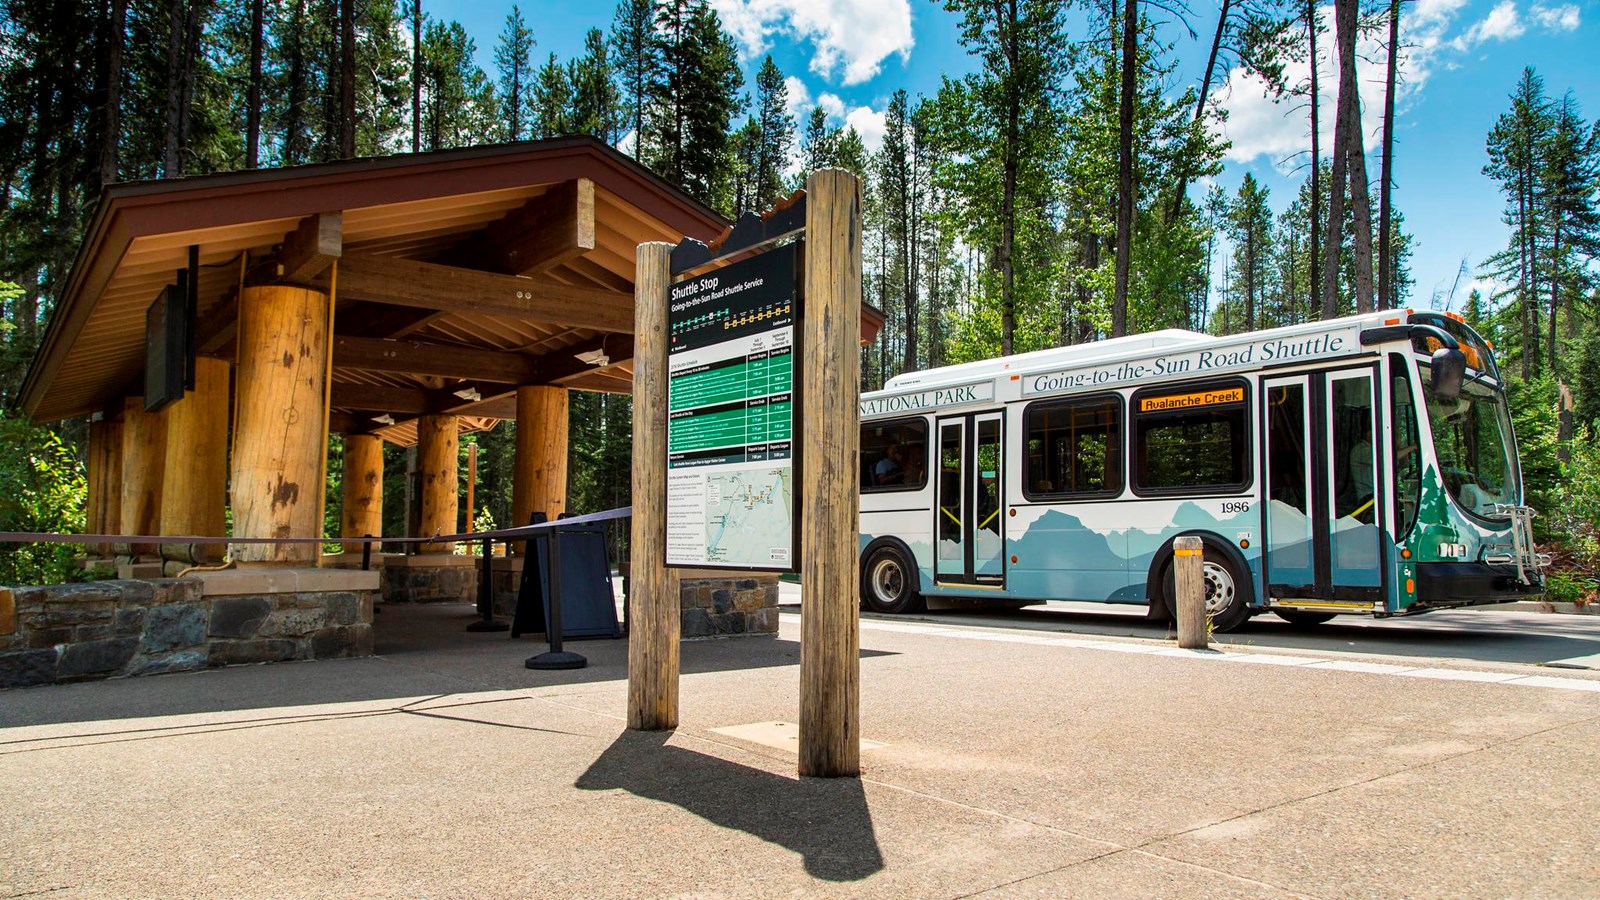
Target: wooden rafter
(543, 233)
(406, 282)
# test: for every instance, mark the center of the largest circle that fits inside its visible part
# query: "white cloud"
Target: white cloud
(869, 123)
(832, 105)
(1557, 18)
(851, 38)
(798, 98)
(1501, 24)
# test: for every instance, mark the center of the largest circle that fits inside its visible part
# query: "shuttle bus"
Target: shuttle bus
(1357, 465)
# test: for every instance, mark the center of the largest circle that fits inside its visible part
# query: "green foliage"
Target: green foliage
(45, 492)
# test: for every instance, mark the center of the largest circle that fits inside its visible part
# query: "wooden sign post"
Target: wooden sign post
(830, 659)
(828, 442)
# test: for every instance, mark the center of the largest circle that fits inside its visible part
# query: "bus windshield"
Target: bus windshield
(1472, 442)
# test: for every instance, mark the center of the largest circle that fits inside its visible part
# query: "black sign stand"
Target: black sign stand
(486, 594)
(555, 657)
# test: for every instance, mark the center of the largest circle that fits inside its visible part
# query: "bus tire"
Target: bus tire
(1302, 619)
(889, 581)
(1227, 591)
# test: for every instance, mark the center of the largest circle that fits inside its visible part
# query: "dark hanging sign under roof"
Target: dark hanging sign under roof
(733, 413)
(169, 343)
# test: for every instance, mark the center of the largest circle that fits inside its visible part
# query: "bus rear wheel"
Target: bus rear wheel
(889, 582)
(1226, 590)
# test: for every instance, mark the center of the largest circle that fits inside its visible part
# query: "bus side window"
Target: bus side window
(894, 455)
(1074, 448)
(1192, 438)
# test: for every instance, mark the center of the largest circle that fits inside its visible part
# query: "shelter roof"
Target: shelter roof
(456, 274)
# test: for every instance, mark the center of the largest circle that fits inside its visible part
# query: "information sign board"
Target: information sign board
(732, 413)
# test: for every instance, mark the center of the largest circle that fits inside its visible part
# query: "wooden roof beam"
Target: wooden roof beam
(543, 233)
(441, 360)
(408, 282)
(311, 248)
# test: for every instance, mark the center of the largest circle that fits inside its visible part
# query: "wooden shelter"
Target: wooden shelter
(407, 299)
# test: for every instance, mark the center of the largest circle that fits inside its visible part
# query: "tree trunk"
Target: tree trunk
(191, 55)
(910, 286)
(416, 75)
(1344, 35)
(252, 114)
(1199, 111)
(347, 79)
(1360, 209)
(294, 149)
(1130, 60)
(171, 166)
(1250, 277)
(1555, 297)
(1386, 287)
(111, 139)
(1314, 248)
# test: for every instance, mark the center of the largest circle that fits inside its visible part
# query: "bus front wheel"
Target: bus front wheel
(889, 582)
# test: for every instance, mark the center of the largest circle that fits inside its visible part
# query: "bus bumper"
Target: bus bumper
(1445, 585)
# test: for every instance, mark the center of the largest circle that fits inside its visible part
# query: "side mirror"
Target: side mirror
(1449, 368)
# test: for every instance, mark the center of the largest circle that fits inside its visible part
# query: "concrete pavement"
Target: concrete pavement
(1010, 763)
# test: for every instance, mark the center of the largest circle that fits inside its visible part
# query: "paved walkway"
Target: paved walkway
(1004, 763)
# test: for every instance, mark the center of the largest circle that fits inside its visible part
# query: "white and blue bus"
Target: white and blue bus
(1358, 465)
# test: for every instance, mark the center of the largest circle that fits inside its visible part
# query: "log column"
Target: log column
(104, 513)
(362, 509)
(144, 455)
(830, 440)
(278, 448)
(540, 484)
(197, 457)
(655, 622)
(438, 449)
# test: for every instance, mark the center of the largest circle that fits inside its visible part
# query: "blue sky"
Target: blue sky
(1465, 56)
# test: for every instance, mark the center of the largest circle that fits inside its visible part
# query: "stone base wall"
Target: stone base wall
(720, 607)
(416, 579)
(78, 632)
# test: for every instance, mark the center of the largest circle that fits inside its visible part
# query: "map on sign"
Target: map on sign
(731, 415)
(749, 515)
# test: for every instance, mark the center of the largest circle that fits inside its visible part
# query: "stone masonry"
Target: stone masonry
(78, 632)
(720, 607)
(429, 579)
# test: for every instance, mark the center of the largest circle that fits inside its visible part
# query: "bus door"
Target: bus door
(1321, 505)
(970, 527)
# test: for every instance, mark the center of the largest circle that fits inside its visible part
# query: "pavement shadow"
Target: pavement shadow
(825, 820)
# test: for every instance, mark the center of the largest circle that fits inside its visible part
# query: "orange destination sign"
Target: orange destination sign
(1185, 401)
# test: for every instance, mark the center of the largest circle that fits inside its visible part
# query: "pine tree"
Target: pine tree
(596, 104)
(1516, 148)
(637, 55)
(1003, 123)
(458, 99)
(747, 167)
(513, 60)
(1250, 231)
(552, 100)
(1570, 171)
(776, 130)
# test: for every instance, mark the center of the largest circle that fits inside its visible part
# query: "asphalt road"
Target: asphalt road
(1484, 634)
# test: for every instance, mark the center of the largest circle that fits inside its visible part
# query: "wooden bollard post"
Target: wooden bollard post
(1188, 578)
(830, 664)
(653, 591)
